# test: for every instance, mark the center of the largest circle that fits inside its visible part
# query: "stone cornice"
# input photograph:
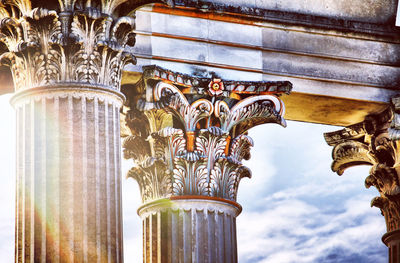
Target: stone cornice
(200, 84)
(292, 18)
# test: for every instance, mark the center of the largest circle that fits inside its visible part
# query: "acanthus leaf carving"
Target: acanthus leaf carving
(175, 141)
(188, 114)
(240, 148)
(82, 43)
(189, 177)
(211, 144)
(350, 153)
(369, 143)
(154, 181)
(390, 209)
(151, 173)
(205, 140)
(385, 179)
(222, 180)
(143, 181)
(225, 178)
(137, 148)
(250, 112)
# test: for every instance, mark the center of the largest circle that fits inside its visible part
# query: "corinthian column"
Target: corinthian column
(375, 142)
(187, 139)
(66, 58)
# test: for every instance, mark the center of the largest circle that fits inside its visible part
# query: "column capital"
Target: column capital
(362, 143)
(371, 142)
(188, 135)
(50, 42)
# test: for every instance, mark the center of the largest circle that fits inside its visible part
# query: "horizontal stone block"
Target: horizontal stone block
(374, 11)
(240, 57)
(235, 33)
(346, 47)
(331, 69)
(173, 24)
(177, 49)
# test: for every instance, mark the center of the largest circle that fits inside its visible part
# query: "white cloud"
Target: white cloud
(310, 214)
(291, 230)
(7, 177)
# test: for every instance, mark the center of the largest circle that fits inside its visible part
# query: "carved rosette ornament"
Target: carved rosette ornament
(187, 138)
(372, 143)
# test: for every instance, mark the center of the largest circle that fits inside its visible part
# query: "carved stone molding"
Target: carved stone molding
(67, 41)
(370, 143)
(188, 136)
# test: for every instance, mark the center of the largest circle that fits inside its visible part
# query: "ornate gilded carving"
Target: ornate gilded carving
(85, 42)
(201, 139)
(370, 143)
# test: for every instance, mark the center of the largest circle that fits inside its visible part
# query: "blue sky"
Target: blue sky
(295, 209)
(300, 210)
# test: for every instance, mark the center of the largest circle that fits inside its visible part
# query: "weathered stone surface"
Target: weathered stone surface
(339, 67)
(187, 137)
(190, 230)
(355, 15)
(359, 10)
(337, 45)
(320, 47)
(68, 176)
(374, 142)
(66, 60)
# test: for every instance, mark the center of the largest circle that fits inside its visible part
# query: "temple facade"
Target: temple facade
(176, 85)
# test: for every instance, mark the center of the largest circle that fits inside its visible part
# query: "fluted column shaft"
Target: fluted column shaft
(189, 230)
(392, 241)
(66, 59)
(187, 137)
(68, 175)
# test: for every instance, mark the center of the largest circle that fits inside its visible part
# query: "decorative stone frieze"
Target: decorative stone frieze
(187, 137)
(374, 142)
